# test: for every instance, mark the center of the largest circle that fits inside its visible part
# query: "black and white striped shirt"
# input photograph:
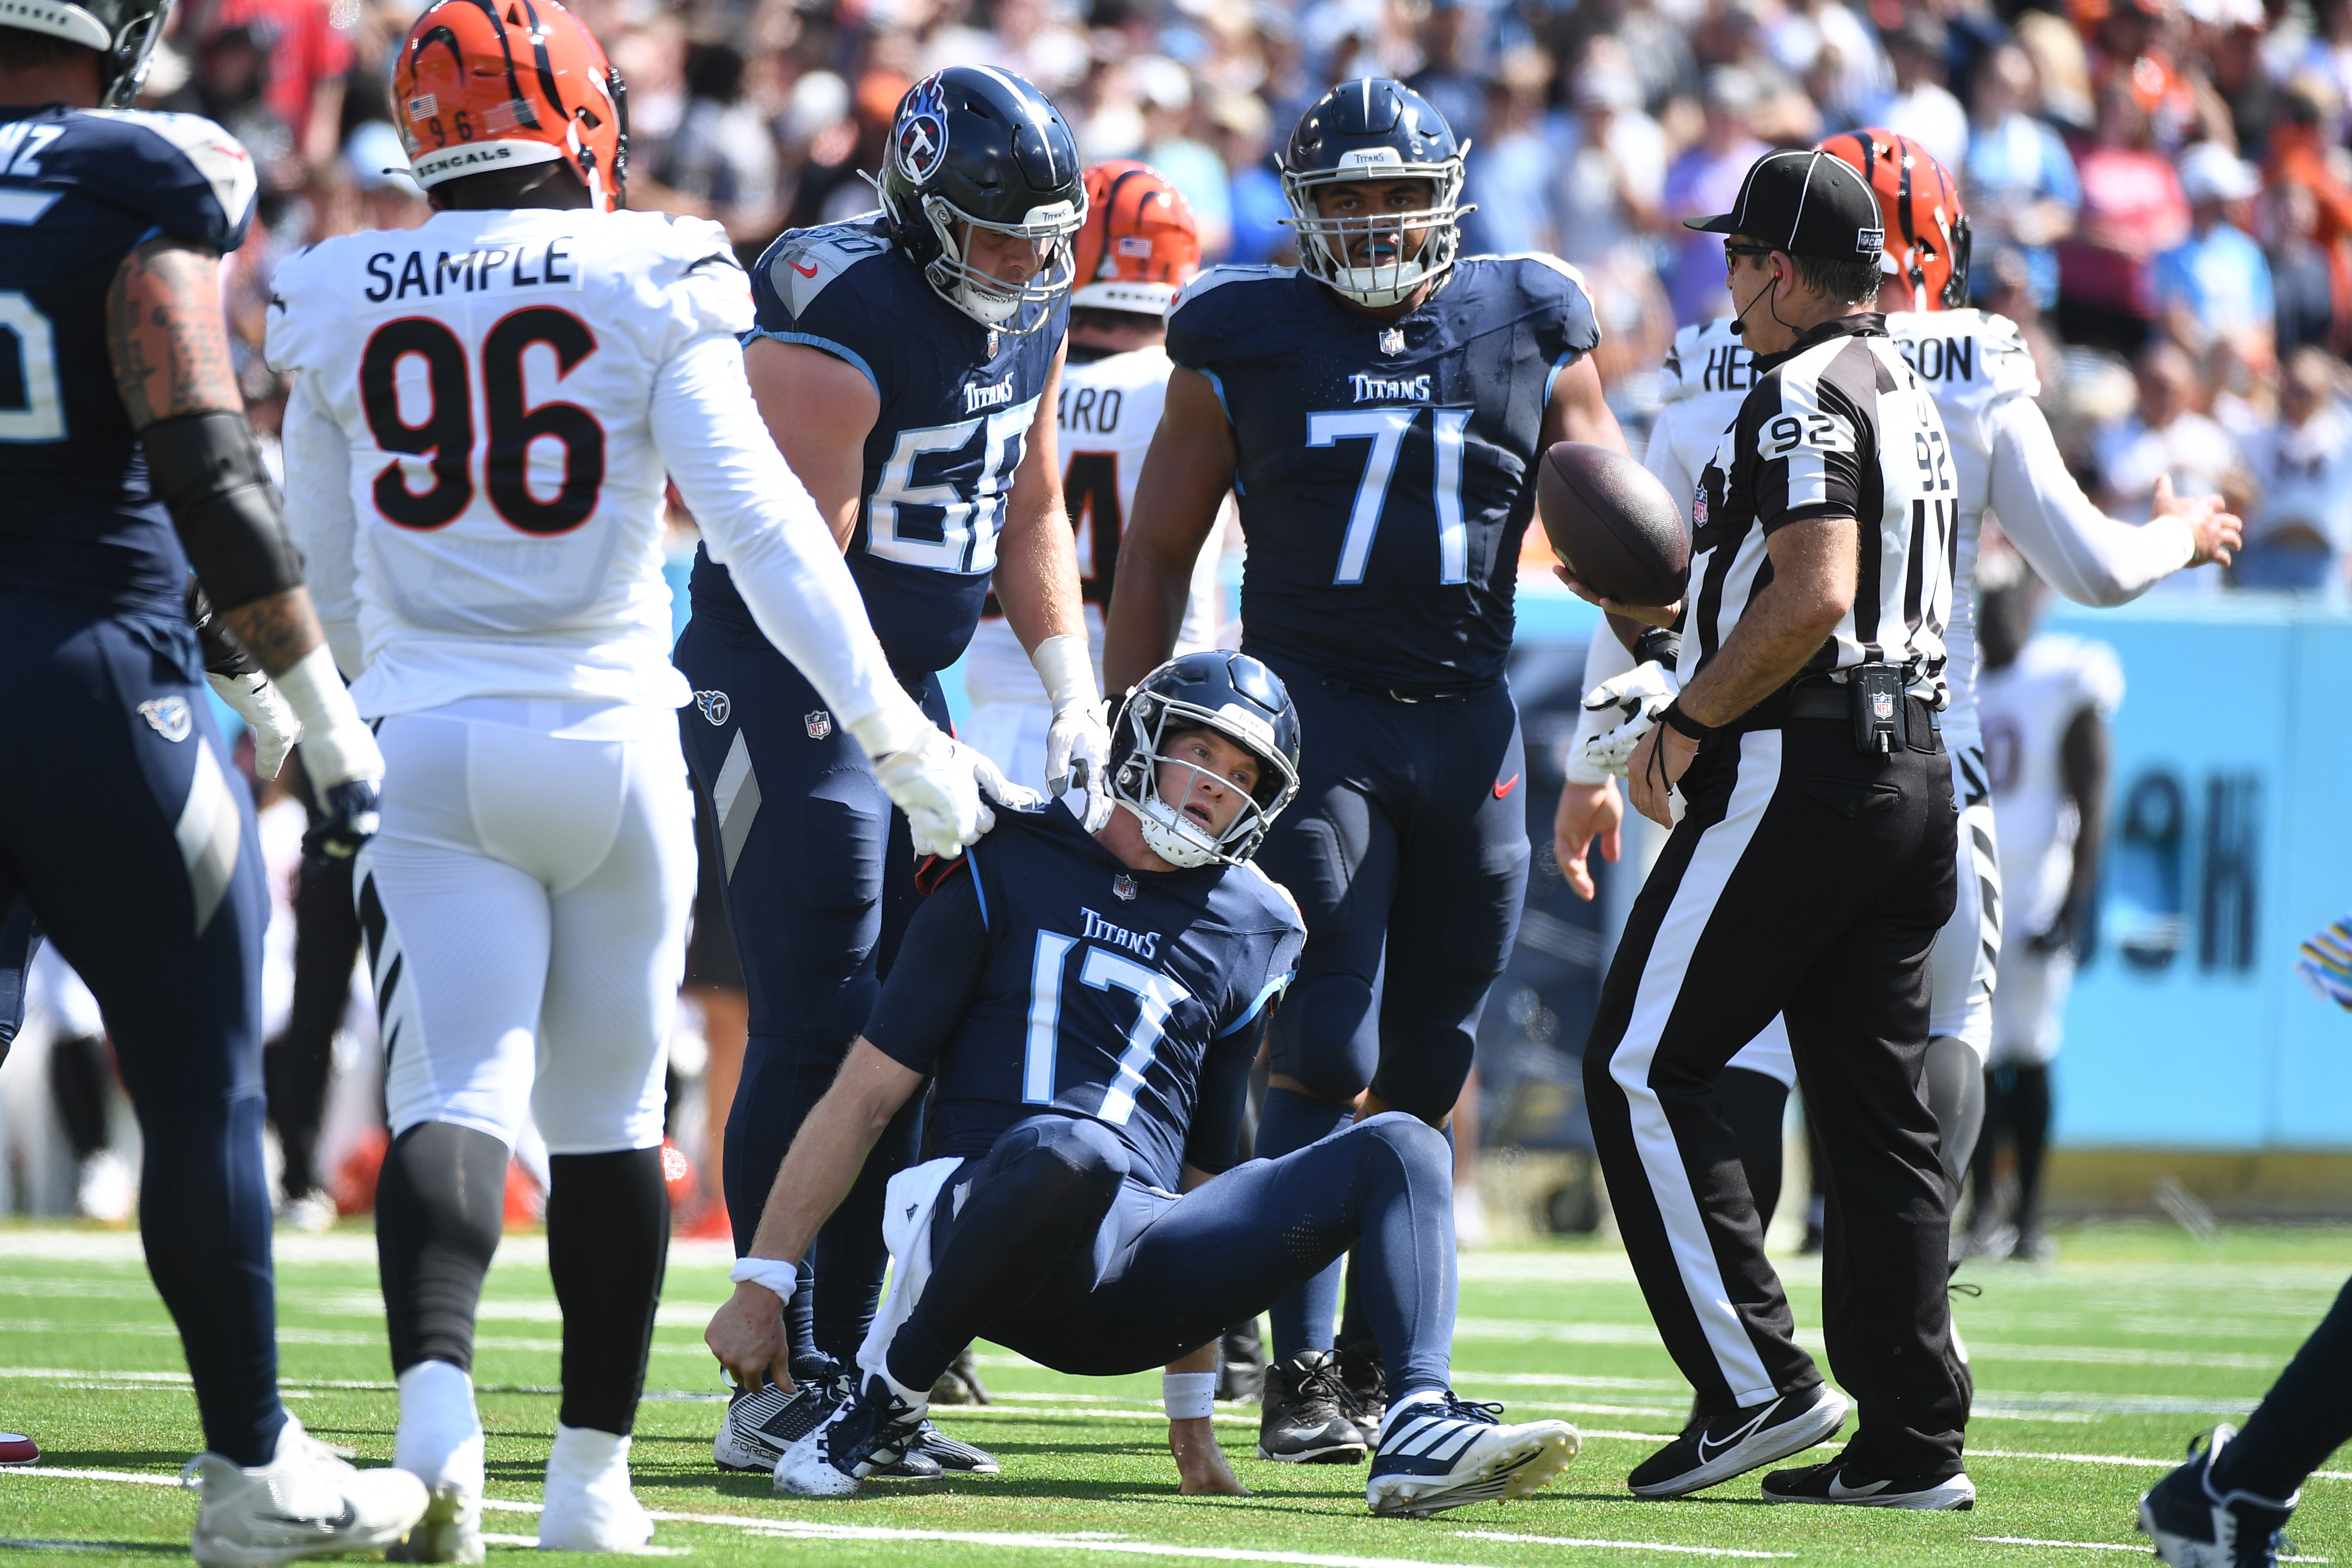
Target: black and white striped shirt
(1837, 426)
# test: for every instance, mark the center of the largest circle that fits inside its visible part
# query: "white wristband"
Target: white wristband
(899, 725)
(1066, 670)
(768, 1273)
(1188, 1396)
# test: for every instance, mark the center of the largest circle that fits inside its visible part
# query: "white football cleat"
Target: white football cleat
(439, 1442)
(589, 1506)
(305, 1502)
(1444, 1452)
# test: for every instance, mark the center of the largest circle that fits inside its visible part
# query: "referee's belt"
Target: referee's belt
(1819, 696)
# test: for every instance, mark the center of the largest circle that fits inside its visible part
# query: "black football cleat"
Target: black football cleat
(1363, 1388)
(1304, 1419)
(951, 1455)
(2196, 1525)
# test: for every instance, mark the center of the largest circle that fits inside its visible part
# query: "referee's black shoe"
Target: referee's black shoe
(1714, 1449)
(1842, 1481)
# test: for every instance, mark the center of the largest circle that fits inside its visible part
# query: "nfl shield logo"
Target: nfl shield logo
(1882, 705)
(168, 717)
(1698, 507)
(1122, 888)
(1393, 341)
(819, 722)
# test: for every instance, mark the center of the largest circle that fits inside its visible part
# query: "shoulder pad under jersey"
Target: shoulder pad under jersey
(1968, 359)
(181, 172)
(804, 264)
(1706, 357)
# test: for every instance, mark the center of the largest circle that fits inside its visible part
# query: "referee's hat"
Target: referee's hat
(1807, 204)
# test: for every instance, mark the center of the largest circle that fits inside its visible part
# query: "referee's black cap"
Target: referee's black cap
(1807, 204)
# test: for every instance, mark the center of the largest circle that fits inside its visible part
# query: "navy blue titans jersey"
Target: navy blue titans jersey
(1387, 468)
(77, 191)
(957, 404)
(1049, 977)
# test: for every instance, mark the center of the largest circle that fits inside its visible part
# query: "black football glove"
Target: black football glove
(348, 814)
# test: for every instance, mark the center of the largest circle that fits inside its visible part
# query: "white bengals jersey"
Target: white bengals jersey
(492, 378)
(2026, 709)
(1971, 361)
(1108, 409)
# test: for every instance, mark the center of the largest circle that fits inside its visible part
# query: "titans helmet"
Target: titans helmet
(1373, 129)
(123, 32)
(978, 147)
(1241, 700)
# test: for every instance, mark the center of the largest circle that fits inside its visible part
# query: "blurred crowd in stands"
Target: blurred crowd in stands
(2160, 190)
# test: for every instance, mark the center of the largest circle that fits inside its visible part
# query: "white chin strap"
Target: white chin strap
(1172, 835)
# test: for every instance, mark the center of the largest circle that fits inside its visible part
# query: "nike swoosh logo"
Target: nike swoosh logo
(804, 271)
(1739, 1436)
(1505, 787)
(1840, 1492)
(343, 1520)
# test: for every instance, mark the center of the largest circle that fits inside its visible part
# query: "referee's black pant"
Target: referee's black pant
(1808, 880)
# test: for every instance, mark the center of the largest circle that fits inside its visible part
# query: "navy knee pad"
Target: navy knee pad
(1324, 1035)
(1425, 1078)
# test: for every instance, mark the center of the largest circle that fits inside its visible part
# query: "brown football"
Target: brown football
(1619, 531)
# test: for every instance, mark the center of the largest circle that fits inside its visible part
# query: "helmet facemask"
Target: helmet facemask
(982, 295)
(132, 56)
(1327, 245)
(1149, 720)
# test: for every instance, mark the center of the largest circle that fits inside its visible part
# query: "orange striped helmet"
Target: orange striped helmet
(1927, 229)
(1138, 245)
(500, 84)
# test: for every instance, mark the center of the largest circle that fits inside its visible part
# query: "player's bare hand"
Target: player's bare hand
(1201, 1465)
(2216, 531)
(1652, 614)
(1586, 812)
(1657, 765)
(747, 1335)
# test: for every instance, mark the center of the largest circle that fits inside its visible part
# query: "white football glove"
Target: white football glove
(944, 786)
(260, 704)
(1078, 743)
(1638, 696)
(339, 754)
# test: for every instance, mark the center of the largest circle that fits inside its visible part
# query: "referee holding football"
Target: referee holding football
(1810, 868)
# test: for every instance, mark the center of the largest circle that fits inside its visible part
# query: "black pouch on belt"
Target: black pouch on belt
(1879, 718)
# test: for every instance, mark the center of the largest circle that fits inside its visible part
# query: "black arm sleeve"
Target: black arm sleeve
(1213, 1141)
(206, 469)
(938, 968)
(224, 655)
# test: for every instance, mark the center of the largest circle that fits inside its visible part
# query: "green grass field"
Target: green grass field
(2091, 1372)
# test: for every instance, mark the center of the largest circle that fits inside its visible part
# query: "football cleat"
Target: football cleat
(1838, 1482)
(305, 1502)
(866, 1435)
(762, 1421)
(1241, 1364)
(947, 1453)
(959, 1384)
(1363, 1388)
(2194, 1525)
(1303, 1418)
(1714, 1449)
(439, 1441)
(1443, 1452)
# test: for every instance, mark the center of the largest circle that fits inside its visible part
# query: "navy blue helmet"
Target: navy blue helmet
(123, 32)
(1374, 129)
(1238, 698)
(972, 145)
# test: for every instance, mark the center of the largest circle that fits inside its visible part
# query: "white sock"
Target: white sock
(439, 1440)
(1417, 1397)
(584, 1456)
(919, 1399)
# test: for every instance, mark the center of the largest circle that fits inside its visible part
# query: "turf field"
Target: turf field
(2092, 1372)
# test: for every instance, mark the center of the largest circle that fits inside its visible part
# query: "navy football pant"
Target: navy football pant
(2303, 1419)
(123, 830)
(20, 938)
(819, 886)
(1052, 1244)
(1407, 851)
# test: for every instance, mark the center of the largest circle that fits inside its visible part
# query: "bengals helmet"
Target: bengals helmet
(1927, 229)
(1138, 245)
(499, 84)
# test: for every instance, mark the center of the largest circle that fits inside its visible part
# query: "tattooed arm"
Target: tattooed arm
(169, 341)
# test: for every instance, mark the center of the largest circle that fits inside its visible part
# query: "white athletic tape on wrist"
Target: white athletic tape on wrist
(899, 725)
(337, 744)
(768, 1273)
(1066, 670)
(1188, 1396)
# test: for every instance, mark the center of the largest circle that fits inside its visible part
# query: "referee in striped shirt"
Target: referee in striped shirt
(1808, 870)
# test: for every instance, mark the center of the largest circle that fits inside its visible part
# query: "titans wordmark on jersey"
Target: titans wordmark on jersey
(1387, 468)
(1970, 362)
(957, 403)
(77, 191)
(1063, 981)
